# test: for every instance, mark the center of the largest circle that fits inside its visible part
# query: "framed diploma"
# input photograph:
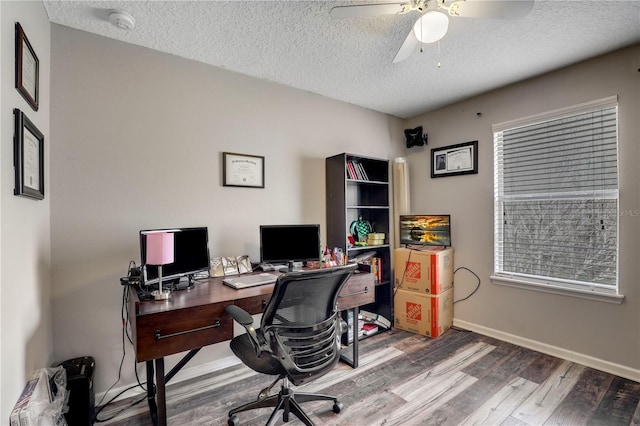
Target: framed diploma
(460, 159)
(242, 170)
(28, 157)
(27, 69)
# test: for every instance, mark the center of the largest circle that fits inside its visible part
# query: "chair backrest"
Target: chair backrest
(301, 323)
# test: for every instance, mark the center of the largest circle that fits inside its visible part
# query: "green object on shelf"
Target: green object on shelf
(360, 228)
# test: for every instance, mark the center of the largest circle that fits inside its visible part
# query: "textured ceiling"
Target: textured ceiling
(297, 44)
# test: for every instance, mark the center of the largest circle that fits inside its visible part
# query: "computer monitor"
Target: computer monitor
(427, 230)
(191, 254)
(289, 243)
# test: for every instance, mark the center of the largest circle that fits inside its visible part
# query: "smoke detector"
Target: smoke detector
(122, 20)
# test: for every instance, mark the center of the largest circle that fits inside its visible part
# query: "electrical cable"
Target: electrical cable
(474, 290)
(124, 316)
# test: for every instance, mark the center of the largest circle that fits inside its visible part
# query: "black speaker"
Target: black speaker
(81, 393)
(415, 137)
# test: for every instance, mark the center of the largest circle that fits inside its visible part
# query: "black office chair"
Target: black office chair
(298, 339)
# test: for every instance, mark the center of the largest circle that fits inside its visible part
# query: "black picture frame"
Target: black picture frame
(27, 69)
(452, 160)
(242, 170)
(28, 156)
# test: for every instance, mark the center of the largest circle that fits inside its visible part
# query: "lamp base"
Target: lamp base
(161, 295)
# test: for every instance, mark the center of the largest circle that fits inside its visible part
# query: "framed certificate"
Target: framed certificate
(242, 170)
(460, 159)
(27, 69)
(28, 158)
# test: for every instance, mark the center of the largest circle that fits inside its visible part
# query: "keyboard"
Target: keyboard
(245, 281)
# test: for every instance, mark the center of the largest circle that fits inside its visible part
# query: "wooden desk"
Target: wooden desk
(194, 318)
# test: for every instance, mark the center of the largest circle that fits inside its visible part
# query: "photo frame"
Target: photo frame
(242, 170)
(27, 69)
(459, 159)
(28, 157)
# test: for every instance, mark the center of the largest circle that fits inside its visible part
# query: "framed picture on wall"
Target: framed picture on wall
(242, 170)
(460, 159)
(28, 157)
(27, 69)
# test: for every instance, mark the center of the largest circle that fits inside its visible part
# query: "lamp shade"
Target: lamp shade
(160, 248)
(431, 27)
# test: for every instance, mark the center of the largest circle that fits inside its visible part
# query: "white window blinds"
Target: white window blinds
(556, 198)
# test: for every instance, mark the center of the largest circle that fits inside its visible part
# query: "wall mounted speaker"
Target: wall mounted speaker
(415, 137)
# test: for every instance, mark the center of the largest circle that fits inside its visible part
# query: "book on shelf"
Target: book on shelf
(356, 171)
(363, 172)
(369, 329)
(351, 171)
(373, 265)
(375, 318)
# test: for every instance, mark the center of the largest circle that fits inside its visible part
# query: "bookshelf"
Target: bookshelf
(358, 186)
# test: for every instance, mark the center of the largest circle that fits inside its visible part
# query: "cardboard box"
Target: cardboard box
(424, 314)
(424, 271)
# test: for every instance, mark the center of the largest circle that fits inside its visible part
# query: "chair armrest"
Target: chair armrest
(239, 315)
(245, 319)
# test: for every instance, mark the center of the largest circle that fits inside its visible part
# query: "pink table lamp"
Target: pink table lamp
(160, 252)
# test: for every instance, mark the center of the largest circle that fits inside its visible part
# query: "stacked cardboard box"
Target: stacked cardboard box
(423, 301)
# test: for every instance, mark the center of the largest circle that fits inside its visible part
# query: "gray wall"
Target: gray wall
(596, 333)
(138, 138)
(26, 340)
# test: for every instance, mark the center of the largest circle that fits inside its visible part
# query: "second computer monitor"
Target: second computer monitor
(289, 243)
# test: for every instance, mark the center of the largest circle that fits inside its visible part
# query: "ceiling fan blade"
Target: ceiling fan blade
(368, 10)
(408, 48)
(500, 9)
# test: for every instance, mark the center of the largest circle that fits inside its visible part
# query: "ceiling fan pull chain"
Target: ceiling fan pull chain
(438, 53)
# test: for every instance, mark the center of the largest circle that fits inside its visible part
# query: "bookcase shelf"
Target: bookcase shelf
(350, 198)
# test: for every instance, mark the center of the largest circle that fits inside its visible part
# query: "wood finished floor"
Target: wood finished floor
(461, 378)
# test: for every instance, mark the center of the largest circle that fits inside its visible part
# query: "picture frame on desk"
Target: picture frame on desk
(242, 170)
(27, 69)
(459, 159)
(28, 157)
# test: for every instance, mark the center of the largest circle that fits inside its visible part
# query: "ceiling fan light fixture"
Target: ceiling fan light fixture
(431, 27)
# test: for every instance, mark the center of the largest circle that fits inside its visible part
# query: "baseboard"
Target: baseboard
(589, 361)
(185, 374)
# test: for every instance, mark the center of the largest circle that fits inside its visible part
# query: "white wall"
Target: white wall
(138, 137)
(25, 277)
(602, 334)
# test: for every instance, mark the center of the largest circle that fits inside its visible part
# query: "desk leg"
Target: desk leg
(162, 402)
(151, 394)
(352, 360)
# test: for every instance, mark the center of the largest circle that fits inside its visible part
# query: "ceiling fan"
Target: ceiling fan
(433, 22)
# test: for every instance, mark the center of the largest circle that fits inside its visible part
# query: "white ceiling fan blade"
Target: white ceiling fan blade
(368, 10)
(500, 9)
(408, 48)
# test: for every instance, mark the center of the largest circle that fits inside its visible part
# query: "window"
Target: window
(556, 200)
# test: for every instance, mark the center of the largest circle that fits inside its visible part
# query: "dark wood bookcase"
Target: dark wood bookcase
(350, 196)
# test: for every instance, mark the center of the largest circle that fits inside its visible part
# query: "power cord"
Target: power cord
(474, 290)
(411, 250)
(124, 316)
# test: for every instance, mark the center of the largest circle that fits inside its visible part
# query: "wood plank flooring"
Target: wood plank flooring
(460, 378)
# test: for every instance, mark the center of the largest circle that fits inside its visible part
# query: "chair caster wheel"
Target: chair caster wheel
(337, 407)
(233, 421)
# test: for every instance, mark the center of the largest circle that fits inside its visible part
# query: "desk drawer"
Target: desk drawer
(166, 333)
(359, 290)
(254, 305)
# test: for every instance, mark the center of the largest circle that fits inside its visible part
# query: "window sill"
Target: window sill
(598, 295)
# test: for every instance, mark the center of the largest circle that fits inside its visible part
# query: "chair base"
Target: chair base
(287, 401)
